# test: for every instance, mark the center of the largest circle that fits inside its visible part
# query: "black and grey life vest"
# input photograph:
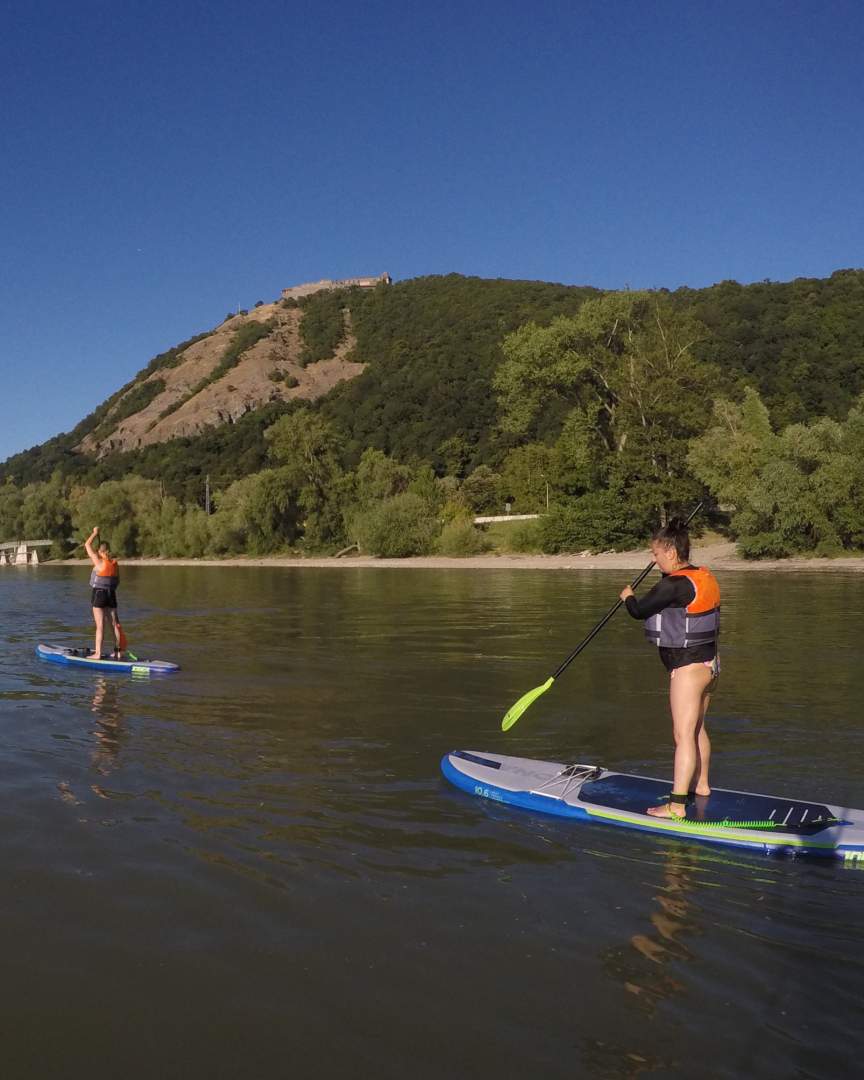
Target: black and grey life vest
(696, 624)
(100, 579)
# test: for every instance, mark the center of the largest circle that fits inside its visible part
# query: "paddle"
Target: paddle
(515, 711)
(123, 642)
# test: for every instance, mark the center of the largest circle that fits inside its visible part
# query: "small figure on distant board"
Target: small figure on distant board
(104, 579)
(682, 617)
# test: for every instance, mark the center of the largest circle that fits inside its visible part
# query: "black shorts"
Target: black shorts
(104, 598)
(693, 654)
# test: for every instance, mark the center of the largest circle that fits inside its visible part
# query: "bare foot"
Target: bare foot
(702, 794)
(665, 811)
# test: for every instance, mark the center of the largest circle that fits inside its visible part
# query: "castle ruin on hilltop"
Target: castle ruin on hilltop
(295, 292)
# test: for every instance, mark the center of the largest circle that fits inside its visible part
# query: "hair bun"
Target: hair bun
(674, 534)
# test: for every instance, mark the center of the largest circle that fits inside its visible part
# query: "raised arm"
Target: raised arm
(88, 546)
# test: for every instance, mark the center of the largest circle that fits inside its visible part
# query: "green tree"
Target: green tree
(455, 454)
(622, 381)
(11, 513)
(45, 513)
(112, 507)
(598, 521)
(426, 486)
(133, 515)
(306, 445)
(732, 454)
(481, 490)
(806, 498)
(398, 527)
(257, 514)
(379, 477)
(525, 473)
(581, 459)
(798, 491)
(459, 538)
(187, 533)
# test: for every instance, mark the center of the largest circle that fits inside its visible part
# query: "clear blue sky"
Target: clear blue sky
(163, 163)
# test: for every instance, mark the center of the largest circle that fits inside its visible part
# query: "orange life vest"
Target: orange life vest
(106, 575)
(696, 624)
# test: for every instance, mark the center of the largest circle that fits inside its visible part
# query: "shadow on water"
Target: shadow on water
(255, 861)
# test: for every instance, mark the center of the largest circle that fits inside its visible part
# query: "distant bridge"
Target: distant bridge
(22, 552)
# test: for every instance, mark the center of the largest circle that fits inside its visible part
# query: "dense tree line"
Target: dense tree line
(602, 412)
(432, 346)
(799, 343)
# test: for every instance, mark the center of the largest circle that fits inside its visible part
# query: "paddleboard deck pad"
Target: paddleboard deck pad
(760, 823)
(59, 654)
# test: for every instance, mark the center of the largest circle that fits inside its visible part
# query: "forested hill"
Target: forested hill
(800, 343)
(431, 346)
(388, 417)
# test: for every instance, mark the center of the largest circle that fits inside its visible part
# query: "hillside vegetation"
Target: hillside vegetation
(389, 417)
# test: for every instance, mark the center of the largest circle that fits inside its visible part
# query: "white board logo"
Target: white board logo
(487, 793)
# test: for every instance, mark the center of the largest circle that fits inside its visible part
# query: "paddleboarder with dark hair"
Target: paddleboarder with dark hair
(682, 618)
(104, 579)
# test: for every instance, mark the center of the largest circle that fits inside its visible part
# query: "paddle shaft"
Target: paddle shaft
(611, 611)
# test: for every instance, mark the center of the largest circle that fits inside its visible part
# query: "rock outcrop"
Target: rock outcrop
(188, 402)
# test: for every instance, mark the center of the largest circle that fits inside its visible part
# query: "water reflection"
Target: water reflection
(108, 735)
(610, 1059)
(645, 966)
(109, 731)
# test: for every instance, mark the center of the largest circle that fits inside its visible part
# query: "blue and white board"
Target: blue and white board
(761, 823)
(59, 654)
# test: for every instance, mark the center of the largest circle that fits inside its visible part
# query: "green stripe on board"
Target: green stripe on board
(692, 829)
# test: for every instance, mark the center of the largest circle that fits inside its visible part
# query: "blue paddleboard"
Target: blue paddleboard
(761, 823)
(59, 654)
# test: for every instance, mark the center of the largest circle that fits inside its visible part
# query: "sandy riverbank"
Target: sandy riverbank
(718, 555)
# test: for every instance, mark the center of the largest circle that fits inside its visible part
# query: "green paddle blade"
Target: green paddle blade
(522, 704)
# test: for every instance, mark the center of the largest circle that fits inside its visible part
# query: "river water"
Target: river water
(252, 868)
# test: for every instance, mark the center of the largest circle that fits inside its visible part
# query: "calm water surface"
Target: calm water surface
(253, 869)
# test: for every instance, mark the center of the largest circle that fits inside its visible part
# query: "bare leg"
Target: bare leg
(703, 750)
(688, 694)
(115, 624)
(99, 619)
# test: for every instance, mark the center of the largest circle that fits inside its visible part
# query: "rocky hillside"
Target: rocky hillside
(249, 361)
(408, 369)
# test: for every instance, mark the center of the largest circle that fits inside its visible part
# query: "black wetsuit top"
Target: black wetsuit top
(672, 592)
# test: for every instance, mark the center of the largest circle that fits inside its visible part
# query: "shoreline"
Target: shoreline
(719, 556)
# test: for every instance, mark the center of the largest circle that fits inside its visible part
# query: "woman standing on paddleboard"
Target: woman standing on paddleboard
(682, 617)
(104, 579)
